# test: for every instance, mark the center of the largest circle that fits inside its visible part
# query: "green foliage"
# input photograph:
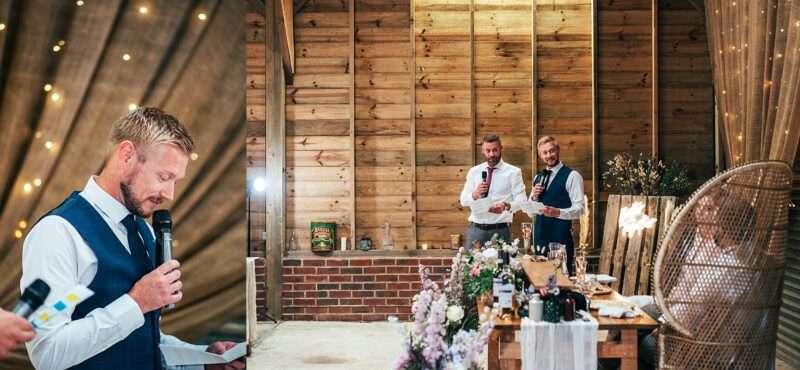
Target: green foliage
(645, 175)
(477, 286)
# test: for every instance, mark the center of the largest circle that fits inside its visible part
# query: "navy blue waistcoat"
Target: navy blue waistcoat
(549, 229)
(117, 272)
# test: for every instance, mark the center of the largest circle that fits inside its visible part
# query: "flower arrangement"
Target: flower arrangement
(441, 337)
(484, 265)
(645, 176)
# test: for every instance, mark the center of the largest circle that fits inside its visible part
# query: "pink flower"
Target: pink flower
(474, 271)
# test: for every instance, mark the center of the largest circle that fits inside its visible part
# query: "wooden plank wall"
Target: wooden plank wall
(686, 98)
(564, 84)
(444, 116)
(318, 144)
(503, 82)
(471, 65)
(383, 151)
(624, 78)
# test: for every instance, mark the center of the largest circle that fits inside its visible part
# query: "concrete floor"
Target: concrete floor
(317, 345)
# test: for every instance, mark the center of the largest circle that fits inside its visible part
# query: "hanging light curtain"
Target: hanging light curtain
(755, 54)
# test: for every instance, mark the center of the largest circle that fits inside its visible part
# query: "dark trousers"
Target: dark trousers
(484, 234)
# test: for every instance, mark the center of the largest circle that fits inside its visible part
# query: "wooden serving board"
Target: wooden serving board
(538, 272)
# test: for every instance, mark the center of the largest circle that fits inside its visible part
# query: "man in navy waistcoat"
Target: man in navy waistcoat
(99, 238)
(560, 189)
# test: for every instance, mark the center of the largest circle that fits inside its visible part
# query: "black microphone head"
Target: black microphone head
(484, 175)
(36, 293)
(162, 220)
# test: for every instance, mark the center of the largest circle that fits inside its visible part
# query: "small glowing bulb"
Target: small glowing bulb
(194, 156)
(202, 16)
(797, 24)
(779, 55)
(55, 97)
(62, 43)
(143, 9)
(48, 87)
(27, 188)
(38, 135)
(724, 92)
(79, 3)
(56, 48)
(259, 184)
(23, 224)
(18, 234)
(132, 107)
(126, 57)
(49, 145)
(740, 137)
(2, 26)
(37, 182)
(786, 132)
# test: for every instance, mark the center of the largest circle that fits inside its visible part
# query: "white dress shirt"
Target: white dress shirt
(506, 186)
(574, 187)
(55, 252)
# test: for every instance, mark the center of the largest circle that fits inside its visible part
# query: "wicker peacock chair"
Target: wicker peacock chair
(719, 271)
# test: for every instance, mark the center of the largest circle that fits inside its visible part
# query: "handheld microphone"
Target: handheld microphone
(483, 177)
(32, 298)
(541, 179)
(162, 224)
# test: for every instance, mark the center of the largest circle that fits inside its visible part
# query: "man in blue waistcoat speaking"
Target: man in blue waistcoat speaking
(560, 189)
(99, 238)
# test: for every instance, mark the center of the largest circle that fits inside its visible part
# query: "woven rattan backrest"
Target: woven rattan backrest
(719, 268)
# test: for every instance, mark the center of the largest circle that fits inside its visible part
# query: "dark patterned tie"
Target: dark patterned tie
(135, 243)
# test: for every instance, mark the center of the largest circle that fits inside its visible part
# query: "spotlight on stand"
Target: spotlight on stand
(259, 185)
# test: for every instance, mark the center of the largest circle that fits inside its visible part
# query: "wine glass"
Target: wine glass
(558, 254)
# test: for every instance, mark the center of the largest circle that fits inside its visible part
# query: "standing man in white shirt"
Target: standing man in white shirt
(99, 238)
(560, 189)
(502, 184)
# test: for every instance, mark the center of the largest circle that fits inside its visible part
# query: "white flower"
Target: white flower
(516, 242)
(455, 313)
(489, 254)
(633, 220)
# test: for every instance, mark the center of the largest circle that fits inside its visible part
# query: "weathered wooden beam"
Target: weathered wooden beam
(275, 160)
(654, 128)
(351, 71)
(412, 71)
(285, 12)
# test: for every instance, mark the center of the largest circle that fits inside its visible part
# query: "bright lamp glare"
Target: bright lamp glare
(259, 184)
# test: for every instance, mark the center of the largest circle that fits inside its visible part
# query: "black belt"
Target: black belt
(490, 226)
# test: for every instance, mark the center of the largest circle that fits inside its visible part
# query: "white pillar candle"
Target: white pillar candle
(344, 243)
(424, 246)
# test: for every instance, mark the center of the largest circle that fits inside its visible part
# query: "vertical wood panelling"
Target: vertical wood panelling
(503, 78)
(686, 98)
(564, 84)
(431, 77)
(319, 184)
(625, 78)
(444, 151)
(384, 155)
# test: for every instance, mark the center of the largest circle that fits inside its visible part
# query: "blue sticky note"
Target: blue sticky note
(59, 306)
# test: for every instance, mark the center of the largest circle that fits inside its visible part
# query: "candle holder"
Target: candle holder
(527, 230)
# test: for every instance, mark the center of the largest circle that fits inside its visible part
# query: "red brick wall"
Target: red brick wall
(261, 289)
(354, 289)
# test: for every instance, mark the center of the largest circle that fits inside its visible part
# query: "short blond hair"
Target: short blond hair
(145, 126)
(546, 139)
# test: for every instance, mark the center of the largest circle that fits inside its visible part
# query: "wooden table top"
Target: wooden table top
(643, 321)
